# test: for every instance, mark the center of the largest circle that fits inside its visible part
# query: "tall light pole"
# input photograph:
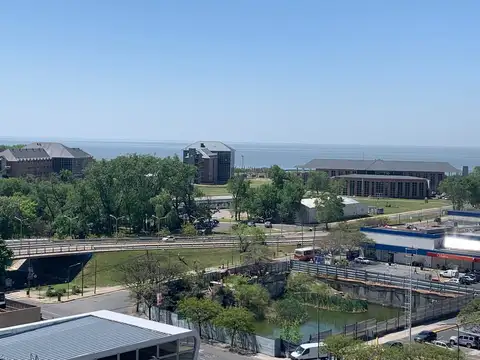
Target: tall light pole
(157, 219)
(30, 269)
(70, 220)
(21, 228)
(116, 224)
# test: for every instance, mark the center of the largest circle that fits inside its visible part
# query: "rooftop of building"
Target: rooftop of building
(57, 150)
(311, 202)
(43, 151)
(213, 146)
(24, 154)
(380, 165)
(410, 229)
(95, 334)
(380, 177)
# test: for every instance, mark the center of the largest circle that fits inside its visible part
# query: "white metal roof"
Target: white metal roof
(83, 336)
(311, 202)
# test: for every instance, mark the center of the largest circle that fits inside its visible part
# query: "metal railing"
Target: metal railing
(337, 272)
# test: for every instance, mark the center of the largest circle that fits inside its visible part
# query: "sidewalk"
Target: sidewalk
(41, 298)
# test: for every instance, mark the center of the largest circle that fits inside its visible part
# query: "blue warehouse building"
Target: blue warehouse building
(433, 246)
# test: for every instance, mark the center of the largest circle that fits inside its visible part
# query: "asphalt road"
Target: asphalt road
(121, 302)
(444, 335)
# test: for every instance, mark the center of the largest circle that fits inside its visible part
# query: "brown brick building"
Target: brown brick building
(43, 159)
(380, 178)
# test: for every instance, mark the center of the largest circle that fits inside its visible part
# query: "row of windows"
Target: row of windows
(166, 351)
(385, 189)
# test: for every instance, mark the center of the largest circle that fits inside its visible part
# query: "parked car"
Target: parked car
(469, 341)
(310, 351)
(466, 280)
(449, 273)
(454, 280)
(251, 224)
(169, 238)
(362, 260)
(442, 344)
(425, 336)
(268, 224)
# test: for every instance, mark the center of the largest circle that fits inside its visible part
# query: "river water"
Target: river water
(330, 320)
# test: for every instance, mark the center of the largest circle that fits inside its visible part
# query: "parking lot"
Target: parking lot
(404, 270)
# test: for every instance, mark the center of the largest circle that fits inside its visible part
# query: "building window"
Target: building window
(167, 348)
(414, 189)
(131, 355)
(147, 353)
(392, 190)
(351, 184)
(407, 189)
(422, 189)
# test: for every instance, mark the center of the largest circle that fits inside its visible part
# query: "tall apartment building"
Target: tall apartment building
(215, 161)
(43, 159)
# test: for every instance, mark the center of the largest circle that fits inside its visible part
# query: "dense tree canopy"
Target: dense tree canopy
(463, 190)
(142, 192)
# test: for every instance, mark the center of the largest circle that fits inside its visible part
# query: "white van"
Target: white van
(310, 351)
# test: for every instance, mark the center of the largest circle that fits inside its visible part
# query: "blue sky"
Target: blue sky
(326, 72)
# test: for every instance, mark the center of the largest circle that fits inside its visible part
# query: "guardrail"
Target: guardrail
(379, 278)
(52, 249)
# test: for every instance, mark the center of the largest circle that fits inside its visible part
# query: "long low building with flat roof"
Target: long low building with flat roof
(99, 335)
(434, 246)
(383, 178)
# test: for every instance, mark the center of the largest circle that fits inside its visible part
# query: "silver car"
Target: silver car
(469, 341)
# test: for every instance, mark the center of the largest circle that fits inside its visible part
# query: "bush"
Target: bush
(75, 290)
(52, 292)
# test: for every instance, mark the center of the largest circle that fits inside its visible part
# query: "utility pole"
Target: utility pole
(83, 265)
(95, 278)
(409, 254)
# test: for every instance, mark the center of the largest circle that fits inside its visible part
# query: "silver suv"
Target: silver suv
(470, 341)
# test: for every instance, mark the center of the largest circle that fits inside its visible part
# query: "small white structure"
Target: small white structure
(100, 335)
(308, 212)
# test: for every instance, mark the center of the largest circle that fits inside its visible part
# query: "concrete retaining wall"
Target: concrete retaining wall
(18, 313)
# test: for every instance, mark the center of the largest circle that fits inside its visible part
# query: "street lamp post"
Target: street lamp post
(21, 229)
(70, 220)
(116, 224)
(30, 270)
(157, 219)
(68, 278)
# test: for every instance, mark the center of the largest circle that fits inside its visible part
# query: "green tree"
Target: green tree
(252, 297)
(470, 314)
(236, 320)
(290, 332)
(146, 276)
(278, 176)
(290, 197)
(199, 311)
(329, 208)
(188, 230)
(289, 310)
(6, 256)
(456, 187)
(318, 182)
(264, 201)
(340, 346)
(239, 187)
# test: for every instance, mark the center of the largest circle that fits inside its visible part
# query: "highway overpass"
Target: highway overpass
(46, 248)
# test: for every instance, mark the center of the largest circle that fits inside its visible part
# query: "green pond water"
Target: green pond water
(330, 320)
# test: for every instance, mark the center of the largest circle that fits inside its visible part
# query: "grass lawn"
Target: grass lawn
(108, 264)
(394, 206)
(218, 190)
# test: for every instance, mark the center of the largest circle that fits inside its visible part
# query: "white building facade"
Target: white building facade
(308, 211)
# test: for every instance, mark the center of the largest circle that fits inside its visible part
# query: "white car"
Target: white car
(169, 238)
(442, 344)
(362, 260)
(449, 273)
(454, 280)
